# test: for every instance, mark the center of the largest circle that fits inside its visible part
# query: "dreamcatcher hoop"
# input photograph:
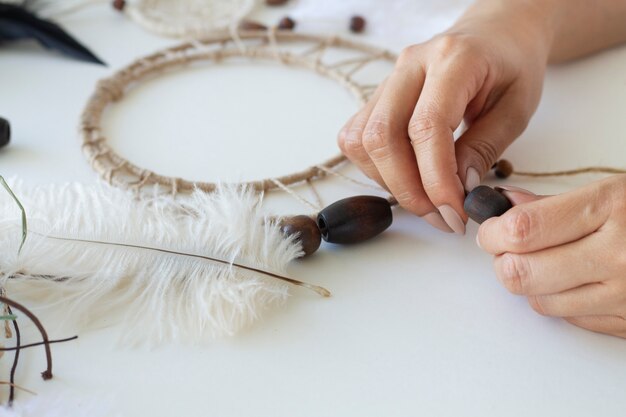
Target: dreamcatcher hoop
(263, 45)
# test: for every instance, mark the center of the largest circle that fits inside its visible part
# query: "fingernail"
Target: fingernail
(501, 188)
(453, 219)
(437, 221)
(472, 179)
(478, 241)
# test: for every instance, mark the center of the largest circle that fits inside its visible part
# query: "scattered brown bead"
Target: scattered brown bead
(503, 169)
(286, 23)
(251, 25)
(275, 2)
(306, 230)
(119, 4)
(5, 132)
(357, 24)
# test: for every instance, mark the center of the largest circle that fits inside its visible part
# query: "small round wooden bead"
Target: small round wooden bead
(354, 219)
(484, 203)
(286, 23)
(251, 25)
(5, 132)
(357, 24)
(503, 169)
(306, 231)
(275, 2)
(119, 4)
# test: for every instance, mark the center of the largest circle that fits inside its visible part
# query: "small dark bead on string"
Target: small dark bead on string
(275, 2)
(286, 23)
(5, 132)
(251, 25)
(119, 5)
(354, 219)
(484, 202)
(306, 231)
(357, 24)
(503, 169)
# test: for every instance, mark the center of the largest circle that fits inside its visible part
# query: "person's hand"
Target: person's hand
(487, 70)
(566, 253)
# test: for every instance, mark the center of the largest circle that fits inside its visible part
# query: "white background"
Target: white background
(418, 324)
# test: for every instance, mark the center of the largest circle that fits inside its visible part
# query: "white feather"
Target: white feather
(168, 296)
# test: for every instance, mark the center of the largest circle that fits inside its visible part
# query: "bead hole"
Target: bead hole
(321, 224)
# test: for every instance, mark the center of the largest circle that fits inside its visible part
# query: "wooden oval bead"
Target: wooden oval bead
(308, 234)
(354, 219)
(5, 132)
(275, 2)
(484, 203)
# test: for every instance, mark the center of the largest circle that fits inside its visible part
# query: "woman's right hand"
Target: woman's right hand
(488, 70)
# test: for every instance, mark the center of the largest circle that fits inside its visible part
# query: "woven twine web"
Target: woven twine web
(264, 45)
(187, 19)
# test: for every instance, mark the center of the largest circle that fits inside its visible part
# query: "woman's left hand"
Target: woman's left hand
(565, 253)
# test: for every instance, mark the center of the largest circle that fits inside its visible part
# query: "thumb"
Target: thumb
(487, 138)
(518, 195)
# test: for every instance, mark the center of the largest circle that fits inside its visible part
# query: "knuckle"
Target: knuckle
(514, 273)
(518, 226)
(376, 137)
(449, 43)
(537, 304)
(409, 201)
(351, 143)
(408, 55)
(423, 128)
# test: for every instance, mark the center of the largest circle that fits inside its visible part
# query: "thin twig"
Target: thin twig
(16, 358)
(49, 342)
(19, 204)
(47, 374)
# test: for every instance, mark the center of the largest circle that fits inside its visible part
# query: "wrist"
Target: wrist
(532, 23)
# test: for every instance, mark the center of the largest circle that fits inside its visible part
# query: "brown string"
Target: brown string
(503, 169)
(585, 170)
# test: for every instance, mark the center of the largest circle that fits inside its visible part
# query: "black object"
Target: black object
(5, 132)
(354, 219)
(484, 203)
(18, 23)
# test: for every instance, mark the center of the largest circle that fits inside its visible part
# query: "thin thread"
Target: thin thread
(578, 171)
(349, 179)
(295, 195)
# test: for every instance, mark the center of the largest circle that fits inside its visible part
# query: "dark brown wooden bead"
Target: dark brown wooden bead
(286, 23)
(119, 4)
(275, 2)
(5, 132)
(484, 203)
(251, 25)
(306, 231)
(357, 24)
(503, 169)
(354, 219)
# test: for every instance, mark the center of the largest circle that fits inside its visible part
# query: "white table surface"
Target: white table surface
(418, 324)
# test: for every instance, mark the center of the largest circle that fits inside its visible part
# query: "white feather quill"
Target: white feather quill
(167, 294)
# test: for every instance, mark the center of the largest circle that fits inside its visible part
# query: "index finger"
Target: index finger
(439, 111)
